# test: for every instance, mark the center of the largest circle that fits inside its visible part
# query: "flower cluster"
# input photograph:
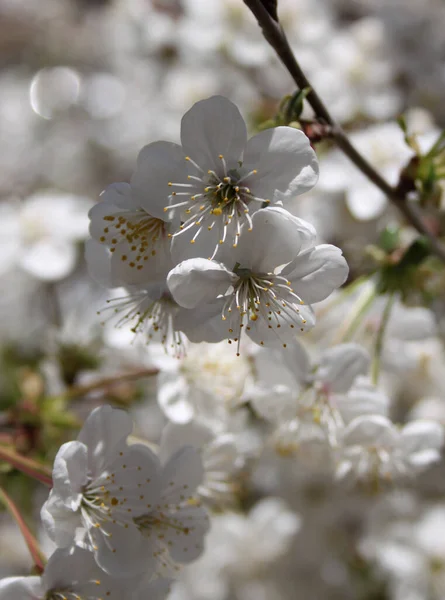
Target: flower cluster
(121, 520)
(281, 435)
(201, 240)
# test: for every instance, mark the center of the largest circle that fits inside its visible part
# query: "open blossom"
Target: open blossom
(41, 234)
(310, 402)
(138, 241)
(372, 446)
(206, 383)
(149, 309)
(72, 574)
(266, 287)
(221, 459)
(109, 497)
(217, 179)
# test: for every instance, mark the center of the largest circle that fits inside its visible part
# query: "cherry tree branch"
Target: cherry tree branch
(26, 465)
(275, 36)
(31, 542)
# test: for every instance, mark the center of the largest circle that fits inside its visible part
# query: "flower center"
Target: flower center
(65, 595)
(261, 295)
(140, 232)
(149, 317)
(159, 523)
(217, 199)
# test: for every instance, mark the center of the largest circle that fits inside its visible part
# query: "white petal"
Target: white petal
(118, 195)
(273, 242)
(362, 399)
(49, 259)
(317, 272)
(372, 429)
(187, 547)
(204, 323)
(105, 430)
(284, 161)
(297, 363)
(422, 436)
(129, 267)
(158, 165)
(173, 397)
(21, 588)
(98, 259)
(122, 553)
(152, 590)
(211, 128)
(175, 436)
(137, 481)
(60, 522)
(182, 474)
(198, 281)
(68, 565)
(340, 365)
(276, 404)
(70, 473)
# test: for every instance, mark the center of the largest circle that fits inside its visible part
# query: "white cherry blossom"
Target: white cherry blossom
(41, 233)
(373, 447)
(221, 459)
(266, 287)
(217, 179)
(100, 485)
(206, 383)
(72, 574)
(117, 501)
(138, 241)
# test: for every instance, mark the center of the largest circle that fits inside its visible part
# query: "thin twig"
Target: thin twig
(106, 382)
(26, 465)
(379, 339)
(31, 542)
(274, 34)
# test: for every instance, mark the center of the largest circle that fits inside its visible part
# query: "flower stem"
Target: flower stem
(82, 390)
(26, 465)
(33, 546)
(364, 303)
(379, 339)
(274, 34)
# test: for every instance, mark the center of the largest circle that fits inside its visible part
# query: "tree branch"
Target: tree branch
(274, 34)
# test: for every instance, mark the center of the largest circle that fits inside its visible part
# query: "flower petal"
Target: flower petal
(173, 397)
(181, 476)
(70, 473)
(316, 273)
(275, 240)
(60, 522)
(284, 161)
(204, 323)
(120, 552)
(211, 128)
(104, 432)
(422, 441)
(21, 588)
(175, 436)
(197, 281)
(157, 165)
(340, 365)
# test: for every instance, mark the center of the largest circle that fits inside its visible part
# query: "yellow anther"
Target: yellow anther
(217, 211)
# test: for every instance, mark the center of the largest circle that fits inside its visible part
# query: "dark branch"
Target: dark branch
(274, 34)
